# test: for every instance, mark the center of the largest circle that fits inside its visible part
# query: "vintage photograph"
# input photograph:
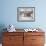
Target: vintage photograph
(26, 14)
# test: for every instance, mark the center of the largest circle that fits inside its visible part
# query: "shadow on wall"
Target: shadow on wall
(2, 26)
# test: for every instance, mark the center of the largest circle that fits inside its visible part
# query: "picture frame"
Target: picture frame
(26, 14)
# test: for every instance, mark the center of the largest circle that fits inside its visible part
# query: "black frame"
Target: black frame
(25, 20)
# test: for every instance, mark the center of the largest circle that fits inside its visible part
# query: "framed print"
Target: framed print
(26, 14)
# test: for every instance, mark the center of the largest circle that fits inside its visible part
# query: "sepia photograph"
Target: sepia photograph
(26, 14)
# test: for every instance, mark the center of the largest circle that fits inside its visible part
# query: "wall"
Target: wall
(8, 13)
